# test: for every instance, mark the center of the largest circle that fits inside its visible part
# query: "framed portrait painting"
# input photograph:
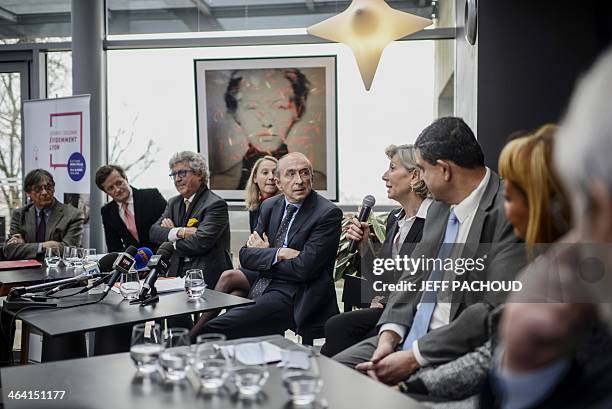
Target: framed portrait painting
(250, 108)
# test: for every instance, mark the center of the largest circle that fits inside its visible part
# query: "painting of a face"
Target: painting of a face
(265, 111)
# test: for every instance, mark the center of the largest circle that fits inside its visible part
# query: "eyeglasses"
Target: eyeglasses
(180, 173)
(39, 188)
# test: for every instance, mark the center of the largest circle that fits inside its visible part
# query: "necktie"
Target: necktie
(422, 318)
(41, 229)
(279, 241)
(130, 222)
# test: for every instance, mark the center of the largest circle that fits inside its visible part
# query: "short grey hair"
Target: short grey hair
(584, 143)
(195, 160)
(407, 156)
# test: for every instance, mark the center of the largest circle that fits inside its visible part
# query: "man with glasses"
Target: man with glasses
(129, 216)
(196, 221)
(43, 222)
(293, 248)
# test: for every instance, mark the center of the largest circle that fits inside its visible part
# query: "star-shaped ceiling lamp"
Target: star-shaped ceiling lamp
(367, 27)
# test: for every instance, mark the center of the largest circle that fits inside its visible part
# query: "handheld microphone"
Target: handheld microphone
(122, 265)
(143, 255)
(105, 265)
(159, 266)
(368, 202)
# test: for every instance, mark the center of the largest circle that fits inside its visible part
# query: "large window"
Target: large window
(152, 113)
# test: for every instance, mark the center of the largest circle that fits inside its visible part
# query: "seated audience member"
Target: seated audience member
(129, 216)
(536, 206)
(404, 226)
(295, 288)
(466, 221)
(42, 223)
(261, 186)
(549, 356)
(196, 221)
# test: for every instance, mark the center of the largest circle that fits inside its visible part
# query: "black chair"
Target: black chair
(356, 289)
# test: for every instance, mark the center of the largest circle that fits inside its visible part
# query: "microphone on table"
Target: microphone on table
(122, 265)
(105, 265)
(158, 265)
(366, 207)
(142, 257)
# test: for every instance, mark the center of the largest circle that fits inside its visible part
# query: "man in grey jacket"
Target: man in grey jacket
(42, 223)
(196, 221)
(421, 328)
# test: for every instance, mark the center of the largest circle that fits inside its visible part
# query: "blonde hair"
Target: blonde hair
(253, 193)
(407, 156)
(527, 163)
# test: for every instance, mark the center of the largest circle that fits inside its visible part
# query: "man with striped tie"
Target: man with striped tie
(293, 248)
(467, 221)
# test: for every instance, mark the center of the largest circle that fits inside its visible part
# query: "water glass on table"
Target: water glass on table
(52, 256)
(249, 370)
(301, 376)
(174, 360)
(67, 256)
(209, 362)
(129, 286)
(89, 255)
(147, 345)
(75, 257)
(194, 284)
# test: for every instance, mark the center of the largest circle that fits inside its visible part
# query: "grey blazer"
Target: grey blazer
(65, 225)
(209, 248)
(490, 235)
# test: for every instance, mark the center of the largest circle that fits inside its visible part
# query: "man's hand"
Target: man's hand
(286, 253)
(168, 223)
(16, 239)
(188, 232)
(255, 240)
(50, 243)
(387, 342)
(393, 368)
(358, 231)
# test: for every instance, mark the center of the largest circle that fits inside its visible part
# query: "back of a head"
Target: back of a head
(526, 162)
(450, 139)
(584, 144)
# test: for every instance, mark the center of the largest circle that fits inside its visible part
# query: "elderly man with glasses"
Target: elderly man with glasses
(196, 221)
(42, 223)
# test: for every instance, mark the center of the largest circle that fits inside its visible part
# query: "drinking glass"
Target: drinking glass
(67, 256)
(249, 369)
(129, 286)
(52, 256)
(301, 377)
(174, 360)
(210, 363)
(146, 346)
(89, 255)
(76, 256)
(194, 284)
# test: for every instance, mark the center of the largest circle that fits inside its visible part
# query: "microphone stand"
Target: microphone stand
(151, 298)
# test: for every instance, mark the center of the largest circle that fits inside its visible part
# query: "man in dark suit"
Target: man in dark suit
(129, 216)
(196, 221)
(294, 248)
(42, 223)
(467, 221)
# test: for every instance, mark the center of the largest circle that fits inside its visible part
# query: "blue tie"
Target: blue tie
(422, 318)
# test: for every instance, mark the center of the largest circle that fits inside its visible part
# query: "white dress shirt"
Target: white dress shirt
(405, 224)
(465, 211)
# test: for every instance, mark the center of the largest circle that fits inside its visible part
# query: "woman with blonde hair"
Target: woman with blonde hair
(260, 186)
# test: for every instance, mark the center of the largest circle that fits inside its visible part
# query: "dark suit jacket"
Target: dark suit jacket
(209, 248)
(149, 204)
(490, 234)
(315, 232)
(65, 225)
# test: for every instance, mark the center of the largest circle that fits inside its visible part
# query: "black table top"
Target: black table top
(109, 382)
(24, 276)
(115, 311)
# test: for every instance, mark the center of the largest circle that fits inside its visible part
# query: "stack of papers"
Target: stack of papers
(163, 285)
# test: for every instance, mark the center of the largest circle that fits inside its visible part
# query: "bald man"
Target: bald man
(293, 248)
